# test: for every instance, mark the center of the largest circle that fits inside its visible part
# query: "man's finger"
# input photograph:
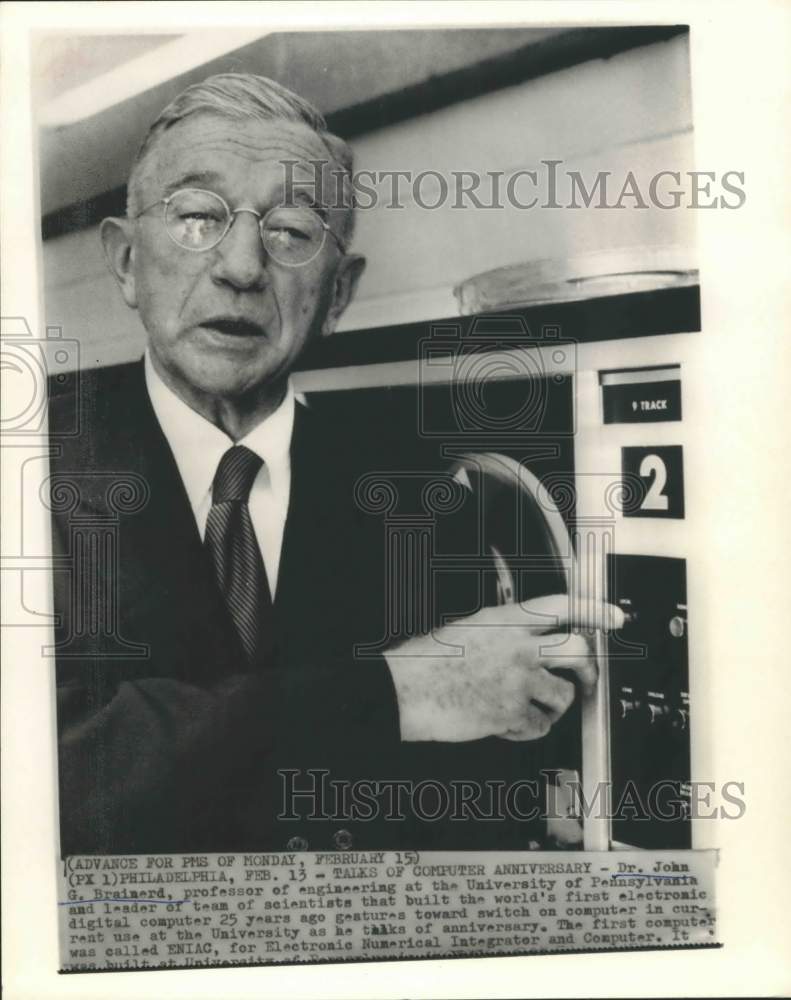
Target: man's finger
(571, 611)
(553, 695)
(553, 613)
(586, 614)
(570, 651)
(534, 724)
(557, 648)
(584, 669)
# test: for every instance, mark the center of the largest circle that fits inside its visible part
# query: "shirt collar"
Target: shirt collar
(198, 445)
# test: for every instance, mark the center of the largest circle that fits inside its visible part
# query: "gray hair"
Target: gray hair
(239, 97)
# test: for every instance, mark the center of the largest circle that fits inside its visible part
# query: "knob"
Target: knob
(677, 626)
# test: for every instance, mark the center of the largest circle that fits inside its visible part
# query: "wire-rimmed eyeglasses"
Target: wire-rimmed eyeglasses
(199, 220)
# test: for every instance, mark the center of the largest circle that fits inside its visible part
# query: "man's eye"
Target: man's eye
(198, 217)
(286, 233)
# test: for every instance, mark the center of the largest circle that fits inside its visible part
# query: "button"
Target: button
(343, 840)
(297, 844)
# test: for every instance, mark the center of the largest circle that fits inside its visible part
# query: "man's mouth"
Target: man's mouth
(234, 327)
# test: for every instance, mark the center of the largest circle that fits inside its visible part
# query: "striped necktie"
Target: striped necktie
(234, 551)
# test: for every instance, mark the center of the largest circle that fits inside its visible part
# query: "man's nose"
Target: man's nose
(240, 259)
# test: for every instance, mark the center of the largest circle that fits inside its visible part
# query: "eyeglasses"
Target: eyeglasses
(199, 220)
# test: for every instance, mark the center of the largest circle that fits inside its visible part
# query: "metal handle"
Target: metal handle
(595, 706)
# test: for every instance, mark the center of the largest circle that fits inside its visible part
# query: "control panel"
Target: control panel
(637, 503)
(649, 702)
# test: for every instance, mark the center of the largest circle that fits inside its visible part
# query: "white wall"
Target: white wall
(631, 112)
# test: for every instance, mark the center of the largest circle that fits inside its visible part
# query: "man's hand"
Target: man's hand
(504, 682)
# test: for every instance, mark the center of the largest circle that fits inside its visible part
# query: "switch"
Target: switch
(628, 706)
(656, 712)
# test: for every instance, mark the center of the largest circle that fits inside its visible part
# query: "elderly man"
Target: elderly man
(242, 577)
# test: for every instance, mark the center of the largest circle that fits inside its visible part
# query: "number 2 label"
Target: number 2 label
(653, 481)
(655, 498)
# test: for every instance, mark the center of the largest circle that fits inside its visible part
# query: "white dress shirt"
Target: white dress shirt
(198, 446)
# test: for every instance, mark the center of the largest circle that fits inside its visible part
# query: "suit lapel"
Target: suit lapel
(167, 595)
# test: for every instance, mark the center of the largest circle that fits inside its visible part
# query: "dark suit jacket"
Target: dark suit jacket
(167, 743)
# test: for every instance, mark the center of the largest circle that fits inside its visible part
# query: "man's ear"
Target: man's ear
(120, 256)
(349, 272)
